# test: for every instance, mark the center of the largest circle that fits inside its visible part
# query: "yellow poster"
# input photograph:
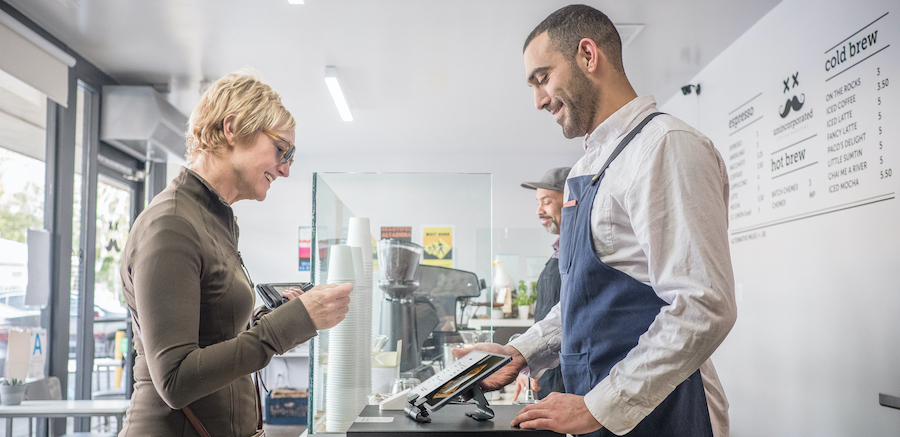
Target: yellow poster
(438, 244)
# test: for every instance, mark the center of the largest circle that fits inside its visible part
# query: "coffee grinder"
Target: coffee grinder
(399, 262)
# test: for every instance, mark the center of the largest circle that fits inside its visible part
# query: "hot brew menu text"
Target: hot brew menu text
(823, 139)
(804, 109)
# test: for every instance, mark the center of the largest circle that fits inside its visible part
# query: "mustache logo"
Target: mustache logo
(792, 103)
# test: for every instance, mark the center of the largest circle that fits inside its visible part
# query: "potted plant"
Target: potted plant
(524, 301)
(12, 391)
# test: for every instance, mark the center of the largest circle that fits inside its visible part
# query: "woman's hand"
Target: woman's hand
(292, 293)
(328, 304)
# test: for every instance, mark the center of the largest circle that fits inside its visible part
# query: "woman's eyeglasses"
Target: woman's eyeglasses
(287, 154)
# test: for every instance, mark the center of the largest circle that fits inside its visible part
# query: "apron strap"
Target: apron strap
(622, 144)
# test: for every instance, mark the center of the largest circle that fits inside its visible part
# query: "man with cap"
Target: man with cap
(549, 195)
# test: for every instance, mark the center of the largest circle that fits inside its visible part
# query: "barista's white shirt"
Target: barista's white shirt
(661, 216)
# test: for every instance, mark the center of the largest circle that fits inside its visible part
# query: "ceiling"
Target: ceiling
(421, 77)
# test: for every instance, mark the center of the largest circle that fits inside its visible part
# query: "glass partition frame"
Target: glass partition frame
(416, 200)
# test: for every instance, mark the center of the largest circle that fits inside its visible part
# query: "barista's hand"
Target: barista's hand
(328, 304)
(522, 383)
(560, 412)
(503, 376)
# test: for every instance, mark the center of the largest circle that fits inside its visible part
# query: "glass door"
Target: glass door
(108, 194)
(114, 206)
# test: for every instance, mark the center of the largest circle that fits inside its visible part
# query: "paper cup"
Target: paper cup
(340, 264)
(356, 252)
(359, 234)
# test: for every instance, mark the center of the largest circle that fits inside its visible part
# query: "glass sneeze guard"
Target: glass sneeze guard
(450, 216)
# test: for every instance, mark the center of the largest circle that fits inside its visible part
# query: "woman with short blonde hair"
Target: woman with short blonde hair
(184, 280)
(256, 106)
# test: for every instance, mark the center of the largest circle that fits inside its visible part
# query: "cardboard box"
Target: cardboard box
(286, 406)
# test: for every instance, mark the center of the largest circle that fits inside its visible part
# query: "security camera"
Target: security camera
(687, 89)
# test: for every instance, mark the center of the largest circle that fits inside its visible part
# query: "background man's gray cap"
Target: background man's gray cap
(554, 179)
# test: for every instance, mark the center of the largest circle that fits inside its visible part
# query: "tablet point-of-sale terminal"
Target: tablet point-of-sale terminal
(460, 379)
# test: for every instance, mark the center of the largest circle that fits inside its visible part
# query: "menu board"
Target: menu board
(816, 137)
(805, 110)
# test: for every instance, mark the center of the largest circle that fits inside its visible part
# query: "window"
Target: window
(23, 114)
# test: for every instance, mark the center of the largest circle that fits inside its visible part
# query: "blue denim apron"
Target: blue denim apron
(605, 311)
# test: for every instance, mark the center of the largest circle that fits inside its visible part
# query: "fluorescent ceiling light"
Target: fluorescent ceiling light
(295, 2)
(331, 80)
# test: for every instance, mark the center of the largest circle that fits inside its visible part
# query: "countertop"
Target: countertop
(450, 420)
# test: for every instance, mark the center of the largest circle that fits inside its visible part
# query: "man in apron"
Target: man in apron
(647, 286)
(549, 194)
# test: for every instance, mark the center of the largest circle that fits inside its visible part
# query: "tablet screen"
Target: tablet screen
(459, 377)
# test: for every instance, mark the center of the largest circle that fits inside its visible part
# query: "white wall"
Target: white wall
(814, 249)
(458, 200)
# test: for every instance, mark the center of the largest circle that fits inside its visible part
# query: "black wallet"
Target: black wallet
(271, 293)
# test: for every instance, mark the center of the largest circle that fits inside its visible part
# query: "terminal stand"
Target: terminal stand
(483, 411)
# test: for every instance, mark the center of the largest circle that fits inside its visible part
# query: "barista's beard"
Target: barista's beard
(553, 228)
(581, 100)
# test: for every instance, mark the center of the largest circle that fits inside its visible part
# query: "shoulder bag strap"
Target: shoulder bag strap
(259, 411)
(198, 425)
(196, 422)
(202, 429)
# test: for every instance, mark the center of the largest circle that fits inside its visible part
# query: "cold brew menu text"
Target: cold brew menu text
(822, 139)
(804, 109)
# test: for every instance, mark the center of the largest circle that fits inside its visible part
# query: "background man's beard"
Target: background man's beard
(553, 227)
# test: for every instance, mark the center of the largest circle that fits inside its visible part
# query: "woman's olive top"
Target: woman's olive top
(192, 304)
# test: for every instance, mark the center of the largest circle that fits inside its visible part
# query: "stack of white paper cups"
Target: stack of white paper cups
(344, 342)
(363, 366)
(359, 236)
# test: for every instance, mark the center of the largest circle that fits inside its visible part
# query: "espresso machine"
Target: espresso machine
(422, 304)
